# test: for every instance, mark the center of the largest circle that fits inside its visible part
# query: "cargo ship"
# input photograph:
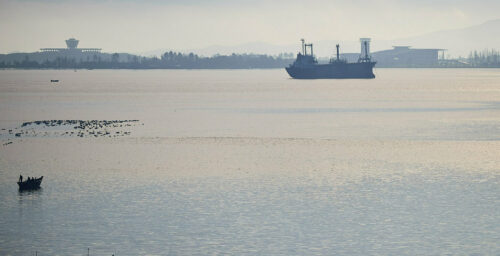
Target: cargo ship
(307, 67)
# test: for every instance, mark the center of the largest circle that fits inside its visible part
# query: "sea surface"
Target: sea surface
(251, 162)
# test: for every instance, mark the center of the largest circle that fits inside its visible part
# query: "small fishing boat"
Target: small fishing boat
(30, 183)
(54, 81)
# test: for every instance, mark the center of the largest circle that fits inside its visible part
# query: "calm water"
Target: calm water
(250, 162)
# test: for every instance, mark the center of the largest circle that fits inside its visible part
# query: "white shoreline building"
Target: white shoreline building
(72, 48)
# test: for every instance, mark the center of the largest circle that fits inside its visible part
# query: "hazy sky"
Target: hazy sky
(138, 26)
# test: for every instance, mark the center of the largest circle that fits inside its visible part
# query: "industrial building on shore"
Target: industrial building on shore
(73, 52)
(402, 57)
(405, 56)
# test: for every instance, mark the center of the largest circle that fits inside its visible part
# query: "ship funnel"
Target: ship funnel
(365, 48)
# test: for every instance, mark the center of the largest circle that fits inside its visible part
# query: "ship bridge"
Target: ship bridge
(304, 58)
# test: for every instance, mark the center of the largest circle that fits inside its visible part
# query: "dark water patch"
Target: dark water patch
(82, 124)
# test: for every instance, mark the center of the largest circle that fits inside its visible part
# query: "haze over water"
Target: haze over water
(250, 162)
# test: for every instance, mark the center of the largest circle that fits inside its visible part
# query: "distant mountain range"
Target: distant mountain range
(457, 42)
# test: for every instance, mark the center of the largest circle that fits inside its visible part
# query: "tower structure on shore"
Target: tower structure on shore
(72, 43)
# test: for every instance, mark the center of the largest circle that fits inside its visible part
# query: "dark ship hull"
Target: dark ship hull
(30, 184)
(333, 70)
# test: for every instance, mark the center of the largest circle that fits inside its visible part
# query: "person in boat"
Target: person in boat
(20, 178)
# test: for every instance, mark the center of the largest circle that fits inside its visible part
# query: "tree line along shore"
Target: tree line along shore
(176, 60)
(169, 60)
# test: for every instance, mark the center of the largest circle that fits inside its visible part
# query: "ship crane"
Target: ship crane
(303, 46)
(311, 47)
(365, 50)
(337, 59)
